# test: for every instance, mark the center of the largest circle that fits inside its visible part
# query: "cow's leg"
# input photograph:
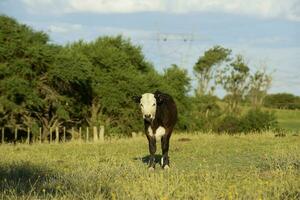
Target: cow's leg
(165, 149)
(152, 150)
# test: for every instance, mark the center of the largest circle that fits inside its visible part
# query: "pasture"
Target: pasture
(203, 166)
(288, 119)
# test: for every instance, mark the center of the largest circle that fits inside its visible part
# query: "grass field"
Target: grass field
(288, 119)
(205, 167)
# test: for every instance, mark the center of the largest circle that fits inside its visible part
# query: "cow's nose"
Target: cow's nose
(147, 116)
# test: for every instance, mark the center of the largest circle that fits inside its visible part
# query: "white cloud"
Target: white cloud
(288, 9)
(64, 28)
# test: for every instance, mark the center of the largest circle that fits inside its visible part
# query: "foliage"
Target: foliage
(260, 82)
(235, 80)
(91, 83)
(282, 101)
(206, 67)
(204, 112)
(229, 124)
(256, 120)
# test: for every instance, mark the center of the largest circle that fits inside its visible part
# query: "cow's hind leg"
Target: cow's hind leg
(152, 150)
(165, 149)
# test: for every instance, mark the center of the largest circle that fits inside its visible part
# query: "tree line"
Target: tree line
(43, 84)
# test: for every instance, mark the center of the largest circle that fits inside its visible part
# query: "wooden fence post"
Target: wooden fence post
(64, 134)
(87, 134)
(50, 135)
(133, 134)
(16, 134)
(80, 133)
(40, 130)
(2, 137)
(28, 135)
(101, 136)
(95, 133)
(56, 135)
(72, 133)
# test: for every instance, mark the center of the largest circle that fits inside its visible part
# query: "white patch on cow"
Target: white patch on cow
(160, 131)
(148, 105)
(150, 131)
(162, 161)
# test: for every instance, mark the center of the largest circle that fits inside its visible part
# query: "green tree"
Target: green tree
(176, 82)
(260, 83)
(119, 70)
(234, 79)
(206, 67)
(37, 80)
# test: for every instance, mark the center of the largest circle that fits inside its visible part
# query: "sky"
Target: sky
(266, 33)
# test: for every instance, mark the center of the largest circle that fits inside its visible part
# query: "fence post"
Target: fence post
(16, 134)
(56, 135)
(72, 133)
(50, 135)
(2, 137)
(133, 134)
(28, 135)
(80, 133)
(95, 133)
(101, 136)
(87, 134)
(64, 134)
(40, 130)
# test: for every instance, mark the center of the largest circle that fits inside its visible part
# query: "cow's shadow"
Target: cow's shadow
(146, 159)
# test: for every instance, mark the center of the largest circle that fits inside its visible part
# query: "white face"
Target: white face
(148, 106)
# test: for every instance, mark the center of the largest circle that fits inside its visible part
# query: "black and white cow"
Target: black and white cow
(160, 116)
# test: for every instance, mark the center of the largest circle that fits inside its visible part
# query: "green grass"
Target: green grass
(288, 119)
(206, 167)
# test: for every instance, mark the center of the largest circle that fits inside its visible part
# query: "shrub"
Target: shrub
(282, 101)
(229, 124)
(256, 120)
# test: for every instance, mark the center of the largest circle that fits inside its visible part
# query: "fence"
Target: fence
(60, 134)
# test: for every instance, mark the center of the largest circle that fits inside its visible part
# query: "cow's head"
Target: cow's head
(148, 105)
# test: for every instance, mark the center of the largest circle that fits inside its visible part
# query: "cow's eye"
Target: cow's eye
(154, 104)
(141, 105)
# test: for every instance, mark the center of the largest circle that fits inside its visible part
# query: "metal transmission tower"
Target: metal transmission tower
(180, 45)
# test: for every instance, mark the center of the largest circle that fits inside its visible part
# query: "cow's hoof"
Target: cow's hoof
(151, 169)
(166, 167)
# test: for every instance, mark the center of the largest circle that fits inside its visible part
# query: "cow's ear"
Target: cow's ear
(137, 99)
(159, 98)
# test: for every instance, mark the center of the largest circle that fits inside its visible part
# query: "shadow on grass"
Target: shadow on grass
(146, 159)
(26, 179)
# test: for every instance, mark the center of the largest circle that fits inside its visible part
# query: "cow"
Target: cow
(160, 116)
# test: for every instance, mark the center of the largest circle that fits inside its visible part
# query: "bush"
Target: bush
(229, 124)
(282, 101)
(254, 120)
(257, 120)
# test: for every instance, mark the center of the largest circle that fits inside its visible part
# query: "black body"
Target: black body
(166, 117)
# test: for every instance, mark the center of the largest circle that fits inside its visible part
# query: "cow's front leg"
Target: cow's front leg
(165, 150)
(152, 150)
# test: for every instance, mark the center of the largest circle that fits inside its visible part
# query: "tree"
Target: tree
(206, 67)
(176, 82)
(260, 83)
(37, 80)
(282, 101)
(119, 70)
(235, 80)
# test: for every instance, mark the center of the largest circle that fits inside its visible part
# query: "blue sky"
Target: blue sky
(266, 32)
